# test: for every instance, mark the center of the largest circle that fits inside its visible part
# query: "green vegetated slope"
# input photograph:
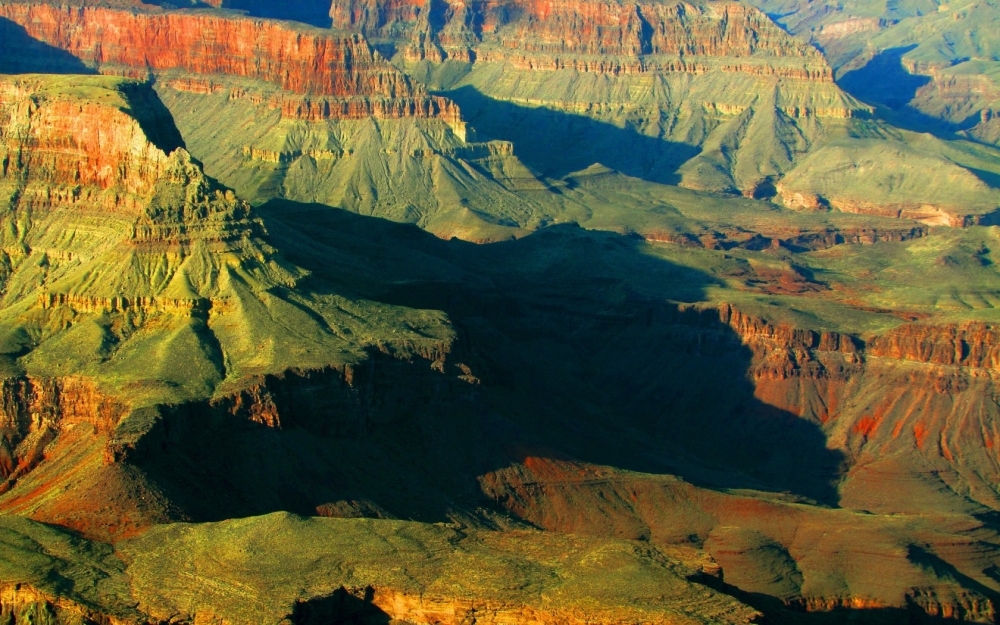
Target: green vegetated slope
(50, 576)
(299, 357)
(933, 65)
(162, 285)
(279, 567)
(754, 147)
(418, 171)
(410, 170)
(257, 570)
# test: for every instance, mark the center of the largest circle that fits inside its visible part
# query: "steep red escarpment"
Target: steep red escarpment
(907, 401)
(94, 152)
(547, 35)
(322, 75)
(303, 61)
(973, 345)
(64, 150)
(34, 410)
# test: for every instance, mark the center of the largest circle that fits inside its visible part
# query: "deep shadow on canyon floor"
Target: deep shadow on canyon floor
(581, 352)
(555, 144)
(887, 84)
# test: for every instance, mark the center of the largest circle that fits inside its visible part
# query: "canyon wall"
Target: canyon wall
(321, 75)
(64, 150)
(34, 411)
(490, 31)
(296, 60)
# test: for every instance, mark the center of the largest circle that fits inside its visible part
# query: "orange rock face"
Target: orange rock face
(302, 62)
(65, 150)
(545, 34)
(34, 411)
(975, 345)
(322, 75)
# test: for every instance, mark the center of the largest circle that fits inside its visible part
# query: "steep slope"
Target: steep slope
(933, 65)
(133, 279)
(709, 95)
(319, 110)
(165, 363)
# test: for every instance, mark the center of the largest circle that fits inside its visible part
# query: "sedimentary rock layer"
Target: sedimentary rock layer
(325, 75)
(553, 35)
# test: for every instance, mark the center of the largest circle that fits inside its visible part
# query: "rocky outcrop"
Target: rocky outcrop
(60, 150)
(103, 305)
(852, 26)
(792, 239)
(559, 35)
(21, 604)
(69, 150)
(970, 345)
(94, 153)
(444, 610)
(319, 108)
(931, 212)
(33, 411)
(343, 77)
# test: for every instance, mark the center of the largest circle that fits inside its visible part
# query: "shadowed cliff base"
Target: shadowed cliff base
(574, 350)
(346, 607)
(776, 612)
(886, 83)
(20, 53)
(554, 144)
(155, 120)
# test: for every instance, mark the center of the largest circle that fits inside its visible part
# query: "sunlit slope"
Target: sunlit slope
(730, 116)
(932, 64)
(282, 568)
(409, 170)
(48, 575)
(257, 570)
(319, 116)
(118, 254)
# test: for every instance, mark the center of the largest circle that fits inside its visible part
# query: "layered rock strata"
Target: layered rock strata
(319, 75)
(621, 38)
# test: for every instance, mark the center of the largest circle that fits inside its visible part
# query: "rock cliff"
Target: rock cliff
(490, 31)
(752, 102)
(324, 75)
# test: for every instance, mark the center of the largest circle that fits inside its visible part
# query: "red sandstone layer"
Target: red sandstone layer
(332, 76)
(543, 34)
(67, 150)
(303, 61)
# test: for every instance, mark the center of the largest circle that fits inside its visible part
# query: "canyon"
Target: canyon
(719, 99)
(492, 312)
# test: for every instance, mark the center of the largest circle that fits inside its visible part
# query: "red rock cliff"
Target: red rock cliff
(87, 146)
(502, 30)
(313, 66)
